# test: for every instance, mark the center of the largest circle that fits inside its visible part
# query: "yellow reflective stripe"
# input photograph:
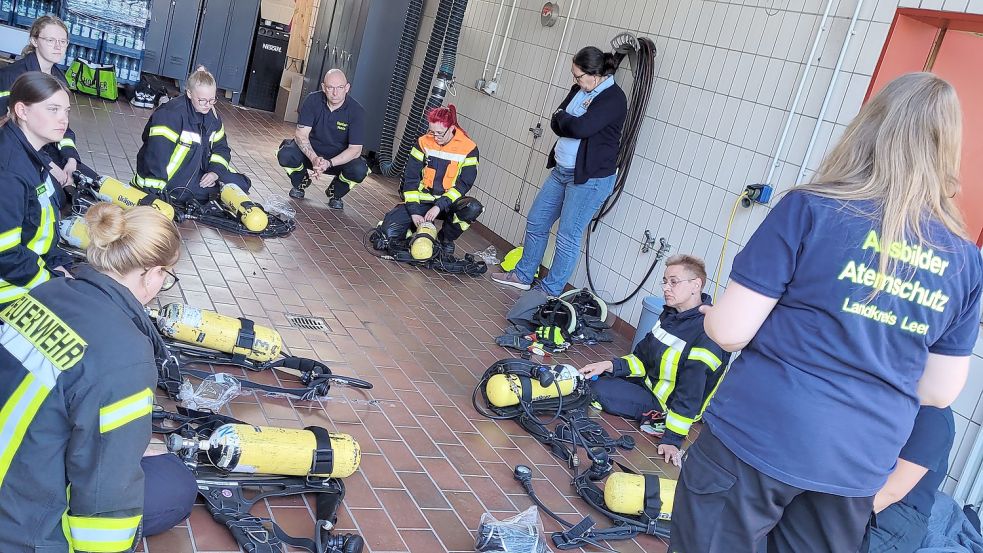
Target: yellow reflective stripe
(10, 239)
(4, 93)
(66, 143)
(125, 410)
(149, 183)
(678, 423)
(427, 197)
(292, 170)
(217, 135)
(417, 154)
(16, 416)
(469, 161)
(166, 132)
(411, 196)
(453, 195)
(188, 136)
(350, 182)
(103, 534)
(177, 159)
(449, 156)
(667, 375)
(706, 356)
(9, 291)
(219, 159)
(463, 224)
(635, 365)
(42, 241)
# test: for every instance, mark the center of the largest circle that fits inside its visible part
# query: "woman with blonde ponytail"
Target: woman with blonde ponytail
(856, 301)
(78, 369)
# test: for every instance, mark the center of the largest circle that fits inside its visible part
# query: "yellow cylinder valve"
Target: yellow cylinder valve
(249, 212)
(74, 232)
(282, 451)
(126, 196)
(421, 244)
(504, 390)
(625, 493)
(211, 330)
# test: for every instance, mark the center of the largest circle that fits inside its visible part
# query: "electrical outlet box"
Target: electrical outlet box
(757, 193)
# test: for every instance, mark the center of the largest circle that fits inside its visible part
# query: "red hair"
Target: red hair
(446, 116)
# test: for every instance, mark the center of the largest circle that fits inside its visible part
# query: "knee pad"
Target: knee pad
(467, 209)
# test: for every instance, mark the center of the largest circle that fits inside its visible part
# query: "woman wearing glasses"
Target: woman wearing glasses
(588, 126)
(442, 168)
(78, 369)
(44, 51)
(185, 154)
(669, 378)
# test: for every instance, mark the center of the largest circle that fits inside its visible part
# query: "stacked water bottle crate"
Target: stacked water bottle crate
(23, 12)
(110, 32)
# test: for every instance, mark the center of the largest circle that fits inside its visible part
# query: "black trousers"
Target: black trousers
(169, 492)
(296, 164)
(723, 505)
(624, 397)
(456, 220)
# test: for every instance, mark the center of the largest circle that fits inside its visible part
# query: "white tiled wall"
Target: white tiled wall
(726, 74)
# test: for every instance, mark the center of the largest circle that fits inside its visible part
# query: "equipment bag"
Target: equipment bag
(93, 79)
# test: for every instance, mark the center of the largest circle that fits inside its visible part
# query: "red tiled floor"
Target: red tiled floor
(431, 464)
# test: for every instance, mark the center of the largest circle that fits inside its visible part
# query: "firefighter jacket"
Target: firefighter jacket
(28, 217)
(440, 175)
(66, 147)
(680, 365)
(180, 145)
(76, 388)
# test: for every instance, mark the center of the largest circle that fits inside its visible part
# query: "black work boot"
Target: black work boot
(297, 191)
(447, 248)
(333, 203)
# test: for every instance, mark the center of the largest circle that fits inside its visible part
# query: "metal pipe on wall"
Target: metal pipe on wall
(803, 168)
(491, 43)
(505, 41)
(775, 160)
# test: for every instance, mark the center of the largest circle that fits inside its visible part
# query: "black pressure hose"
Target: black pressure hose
(448, 59)
(397, 87)
(641, 93)
(434, 47)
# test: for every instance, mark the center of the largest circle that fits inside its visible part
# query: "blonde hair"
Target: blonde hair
(38, 26)
(138, 238)
(200, 77)
(902, 152)
(692, 264)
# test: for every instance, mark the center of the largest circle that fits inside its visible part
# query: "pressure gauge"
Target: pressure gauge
(549, 15)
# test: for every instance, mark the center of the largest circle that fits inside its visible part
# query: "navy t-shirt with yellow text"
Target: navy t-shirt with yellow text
(332, 131)
(824, 396)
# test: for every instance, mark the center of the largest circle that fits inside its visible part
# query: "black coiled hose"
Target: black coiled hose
(397, 88)
(448, 60)
(641, 93)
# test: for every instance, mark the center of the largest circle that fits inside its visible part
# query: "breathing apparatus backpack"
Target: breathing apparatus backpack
(201, 336)
(419, 249)
(237, 465)
(543, 324)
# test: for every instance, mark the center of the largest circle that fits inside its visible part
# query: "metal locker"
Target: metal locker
(180, 40)
(156, 37)
(225, 40)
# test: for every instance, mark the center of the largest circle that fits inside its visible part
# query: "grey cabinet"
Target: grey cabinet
(170, 38)
(225, 39)
(337, 40)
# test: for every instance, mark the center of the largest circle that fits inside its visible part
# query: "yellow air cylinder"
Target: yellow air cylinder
(421, 247)
(624, 493)
(126, 196)
(505, 390)
(210, 330)
(74, 232)
(281, 451)
(249, 212)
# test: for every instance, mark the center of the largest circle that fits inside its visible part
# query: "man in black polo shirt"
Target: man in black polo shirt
(329, 139)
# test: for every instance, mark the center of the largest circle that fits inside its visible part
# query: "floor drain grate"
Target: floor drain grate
(307, 322)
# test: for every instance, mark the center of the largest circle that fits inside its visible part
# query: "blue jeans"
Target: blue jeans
(574, 205)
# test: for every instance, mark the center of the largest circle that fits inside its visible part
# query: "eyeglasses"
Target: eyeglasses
(582, 75)
(333, 88)
(674, 282)
(53, 41)
(170, 279)
(206, 102)
(441, 134)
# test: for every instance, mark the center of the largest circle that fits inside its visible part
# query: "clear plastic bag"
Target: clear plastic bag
(522, 533)
(279, 205)
(489, 255)
(212, 394)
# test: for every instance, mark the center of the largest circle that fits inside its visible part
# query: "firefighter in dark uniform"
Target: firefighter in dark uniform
(29, 254)
(329, 138)
(668, 381)
(185, 154)
(48, 41)
(442, 168)
(77, 379)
